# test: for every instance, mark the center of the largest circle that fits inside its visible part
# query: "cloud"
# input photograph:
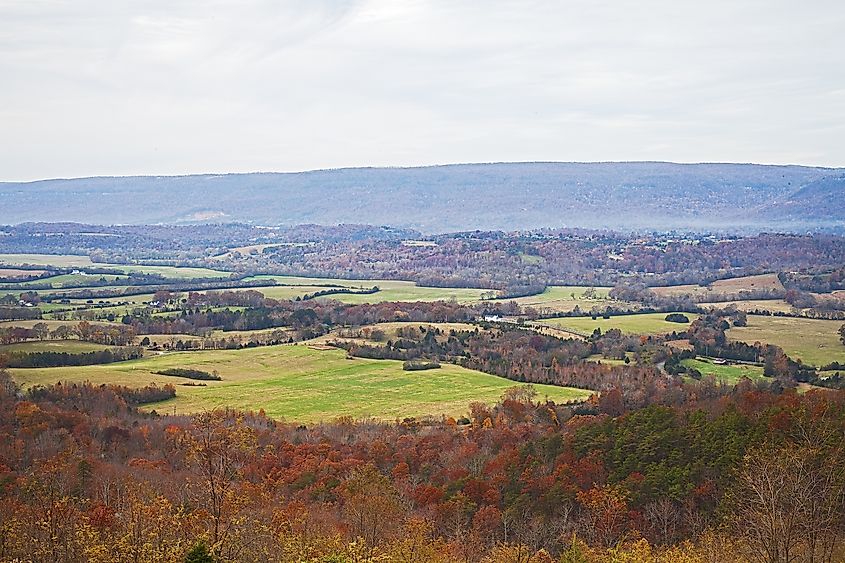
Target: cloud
(163, 87)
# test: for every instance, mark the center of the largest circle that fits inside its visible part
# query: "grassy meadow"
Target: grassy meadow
(563, 299)
(773, 305)
(68, 346)
(302, 384)
(389, 290)
(78, 261)
(731, 286)
(814, 341)
(643, 323)
(727, 373)
(57, 260)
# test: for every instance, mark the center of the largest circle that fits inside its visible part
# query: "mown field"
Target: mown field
(73, 280)
(565, 298)
(51, 324)
(389, 290)
(302, 384)
(814, 341)
(69, 346)
(773, 305)
(58, 260)
(723, 287)
(18, 273)
(726, 373)
(643, 323)
(75, 261)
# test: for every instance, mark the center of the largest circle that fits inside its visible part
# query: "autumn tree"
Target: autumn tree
(220, 445)
(371, 505)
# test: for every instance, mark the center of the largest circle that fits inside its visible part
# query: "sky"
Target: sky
(106, 87)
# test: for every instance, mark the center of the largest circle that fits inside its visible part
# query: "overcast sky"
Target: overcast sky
(168, 87)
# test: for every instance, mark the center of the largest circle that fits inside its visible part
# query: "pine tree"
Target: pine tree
(199, 554)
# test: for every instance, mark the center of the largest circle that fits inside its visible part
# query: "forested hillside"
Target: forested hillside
(637, 195)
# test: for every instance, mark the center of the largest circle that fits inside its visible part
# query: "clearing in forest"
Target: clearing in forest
(813, 341)
(302, 384)
(640, 323)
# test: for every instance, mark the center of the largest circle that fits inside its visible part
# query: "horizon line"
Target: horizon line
(420, 166)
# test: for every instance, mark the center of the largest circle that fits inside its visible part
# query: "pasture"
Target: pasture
(389, 331)
(78, 261)
(72, 280)
(51, 324)
(642, 323)
(726, 373)
(13, 273)
(733, 286)
(68, 346)
(389, 290)
(564, 298)
(813, 341)
(57, 260)
(772, 305)
(299, 383)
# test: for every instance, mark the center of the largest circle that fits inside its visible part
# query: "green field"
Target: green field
(283, 292)
(814, 341)
(69, 346)
(303, 384)
(389, 290)
(727, 373)
(15, 273)
(290, 287)
(563, 299)
(773, 305)
(75, 261)
(74, 280)
(58, 260)
(732, 286)
(51, 324)
(177, 272)
(409, 291)
(644, 323)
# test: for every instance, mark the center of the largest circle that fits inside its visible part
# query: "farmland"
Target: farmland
(389, 290)
(726, 373)
(51, 324)
(68, 346)
(18, 273)
(771, 305)
(732, 286)
(643, 323)
(57, 260)
(814, 341)
(76, 261)
(73, 280)
(303, 384)
(565, 298)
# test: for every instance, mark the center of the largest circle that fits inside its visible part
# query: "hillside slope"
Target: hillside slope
(634, 195)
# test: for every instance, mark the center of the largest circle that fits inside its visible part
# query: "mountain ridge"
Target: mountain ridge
(454, 197)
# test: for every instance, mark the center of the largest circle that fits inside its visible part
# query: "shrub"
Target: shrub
(417, 365)
(190, 374)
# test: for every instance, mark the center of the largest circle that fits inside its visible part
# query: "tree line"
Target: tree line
(745, 475)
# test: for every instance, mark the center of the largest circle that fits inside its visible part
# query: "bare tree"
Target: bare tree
(664, 518)
(220, 446)
(788, 504)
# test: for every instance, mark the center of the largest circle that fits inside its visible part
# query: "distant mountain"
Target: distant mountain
(624, 195)
(824, 197)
